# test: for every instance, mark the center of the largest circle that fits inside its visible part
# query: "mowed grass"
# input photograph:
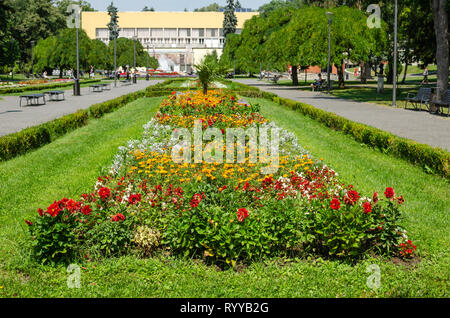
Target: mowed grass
(70, 166)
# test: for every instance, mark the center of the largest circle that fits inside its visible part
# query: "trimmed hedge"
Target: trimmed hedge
(433, 160)
(34, 137)
(14, 90)
(31, 138)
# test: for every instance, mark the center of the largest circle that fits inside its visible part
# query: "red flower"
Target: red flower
(29, 222)
(86, 210)
(54, 209)
(242, 214)
(352, 197)
(196, 199)
(104, 193)
(400, 200)
(41, 212)
(389, 193)
(335, 204)
(118, 217)
(134, 198)
(367, 207)
(375, 197)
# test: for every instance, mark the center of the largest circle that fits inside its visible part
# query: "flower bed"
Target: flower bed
(223, 212)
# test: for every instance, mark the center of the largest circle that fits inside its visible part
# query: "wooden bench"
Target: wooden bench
(56, 94)
(32, 99)
(421, 98)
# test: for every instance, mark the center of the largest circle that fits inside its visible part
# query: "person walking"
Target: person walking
(425, 76)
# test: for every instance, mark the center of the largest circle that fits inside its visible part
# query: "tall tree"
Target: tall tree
(440, 13)
(125, 53)
(114, 22)
(230, 20)
(34, 20)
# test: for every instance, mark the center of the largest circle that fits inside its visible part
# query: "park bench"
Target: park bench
(444, 103)
(421, 98)
(323, 86)
(126, 82)
(96, 88)
(55, 95)
(32, 99)
(106, 86)
(273, 77)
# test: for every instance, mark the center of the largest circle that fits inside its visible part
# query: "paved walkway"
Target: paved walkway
(14, 118)
(419, 126)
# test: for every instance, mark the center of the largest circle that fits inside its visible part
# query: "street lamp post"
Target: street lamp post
(32, 59)
(115, 29)
(76, 88)
(394, 88)
(134, 72)
(330, 19)
(147, 77)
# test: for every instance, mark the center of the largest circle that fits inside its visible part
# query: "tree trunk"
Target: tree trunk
(441, 30)
(306, 75)
(205, 89)
(294, 75)
(363, 72)
(60, 72)
(404, 74)
(340, 71)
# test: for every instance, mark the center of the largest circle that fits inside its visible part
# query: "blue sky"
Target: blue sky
(168, 5)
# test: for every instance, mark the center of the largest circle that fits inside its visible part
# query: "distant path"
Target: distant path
(419, 126)
(14, 118)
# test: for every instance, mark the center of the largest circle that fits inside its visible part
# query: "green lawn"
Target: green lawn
(69, 166)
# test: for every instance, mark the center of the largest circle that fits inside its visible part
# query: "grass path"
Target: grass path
(70, 165)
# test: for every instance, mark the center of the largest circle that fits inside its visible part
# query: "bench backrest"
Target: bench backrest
(424, 92)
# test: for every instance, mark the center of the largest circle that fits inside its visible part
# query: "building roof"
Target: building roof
(93, 20)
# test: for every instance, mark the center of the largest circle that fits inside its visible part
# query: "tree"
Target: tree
(230, 20)
(114, 22)
(274, 5)
(125, 53)
(34, 20)
(63, 4)
(213, 7)
(6, 54)
(99, 55)
(59, 52)
(440, 14)
(208, 71)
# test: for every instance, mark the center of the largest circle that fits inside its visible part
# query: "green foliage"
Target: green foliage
(125, 53)
(213, 7)
(230, 20)
(54, 239)
(208, 71)
(113, 25)
(109, 239)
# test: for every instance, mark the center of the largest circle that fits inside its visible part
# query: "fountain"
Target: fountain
(166, 64)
